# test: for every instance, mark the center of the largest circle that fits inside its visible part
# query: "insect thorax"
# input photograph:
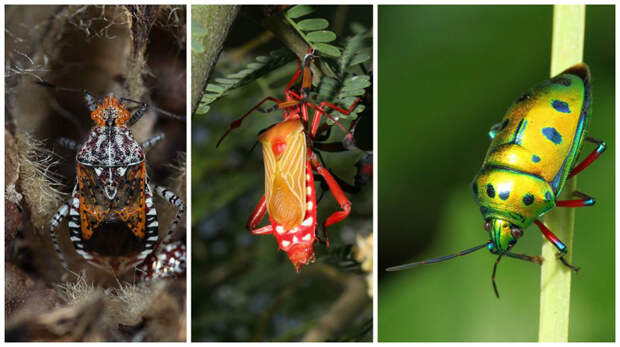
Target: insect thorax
(110, 146)
(511, 195)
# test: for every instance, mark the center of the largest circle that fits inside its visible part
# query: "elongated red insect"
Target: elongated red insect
(290, 163)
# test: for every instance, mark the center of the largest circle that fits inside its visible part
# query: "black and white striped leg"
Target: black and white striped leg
(56, 220)
(75, 227)
(152, 226)
(138, 114)
(69, 144)
(174, 200)
(146, 145)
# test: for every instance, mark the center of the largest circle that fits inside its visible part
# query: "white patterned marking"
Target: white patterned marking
(285, 243)
(307, 222)
(280, 229)
(307, 237)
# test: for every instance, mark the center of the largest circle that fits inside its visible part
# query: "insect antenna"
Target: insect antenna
(159, 110)
(493, 275)
(436, 260)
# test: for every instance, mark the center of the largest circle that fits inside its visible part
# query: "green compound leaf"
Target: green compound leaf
(260, 67)
(312, 30)
(327, 49)
(299, 11)
(321, 36)
(351, 81)
(313, 24)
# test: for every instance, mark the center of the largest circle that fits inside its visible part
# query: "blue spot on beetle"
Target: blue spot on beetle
(552, 135)
(490, 190)
(560, 106)
(528, 199)
(504, 195)
(548, 196)
(535, 158)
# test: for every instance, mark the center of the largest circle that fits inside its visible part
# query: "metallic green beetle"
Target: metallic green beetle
(533, 152)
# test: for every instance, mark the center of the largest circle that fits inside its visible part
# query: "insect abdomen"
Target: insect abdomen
(542, 131)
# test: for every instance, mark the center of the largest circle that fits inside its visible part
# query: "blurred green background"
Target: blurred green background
(446, 74)
(243, 287)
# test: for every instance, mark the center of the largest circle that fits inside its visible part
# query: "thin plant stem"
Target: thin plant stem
(555, 281)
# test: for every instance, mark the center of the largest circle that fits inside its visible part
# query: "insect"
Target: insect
(167, 261)
(290, 163)
(112, 220)
(533, 151)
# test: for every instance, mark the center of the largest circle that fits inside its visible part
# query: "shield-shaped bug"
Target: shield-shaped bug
(112, 219)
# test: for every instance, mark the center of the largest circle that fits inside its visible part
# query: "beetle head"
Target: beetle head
(110, 112)
(503, 234)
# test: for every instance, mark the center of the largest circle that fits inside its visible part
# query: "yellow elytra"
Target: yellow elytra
(531, 154)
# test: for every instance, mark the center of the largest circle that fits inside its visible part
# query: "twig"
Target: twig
(215, 22)
(567, 50)
(352, 300)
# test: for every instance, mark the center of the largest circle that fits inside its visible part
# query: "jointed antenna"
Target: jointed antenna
(493, 275)
(436, 260)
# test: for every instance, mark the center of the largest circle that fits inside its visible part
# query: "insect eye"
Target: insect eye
(487, 226)
(516, 232)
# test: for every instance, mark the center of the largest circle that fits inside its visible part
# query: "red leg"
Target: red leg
(267, 229)
(551, 237)
(257, 216)
(337, 192)
(236, 123)
(575, 203)
(320, 111)
(295, 77)
(585, 200)
(556, 242)
(590, 158)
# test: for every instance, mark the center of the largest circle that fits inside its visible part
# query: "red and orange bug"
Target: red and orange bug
(290, 163)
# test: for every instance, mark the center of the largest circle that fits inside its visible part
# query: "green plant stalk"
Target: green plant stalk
(555, 280)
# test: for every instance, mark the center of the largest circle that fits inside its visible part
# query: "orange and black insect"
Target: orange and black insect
(112, 219)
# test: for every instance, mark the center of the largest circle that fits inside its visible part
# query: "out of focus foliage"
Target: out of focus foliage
(447, 74)
(244, 288)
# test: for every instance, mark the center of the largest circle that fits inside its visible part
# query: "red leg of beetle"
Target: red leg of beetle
(337, 192)
(556, 242)
(575, 203)
(236, 123)
(257, 216)
(590, 158)
(585, 200)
